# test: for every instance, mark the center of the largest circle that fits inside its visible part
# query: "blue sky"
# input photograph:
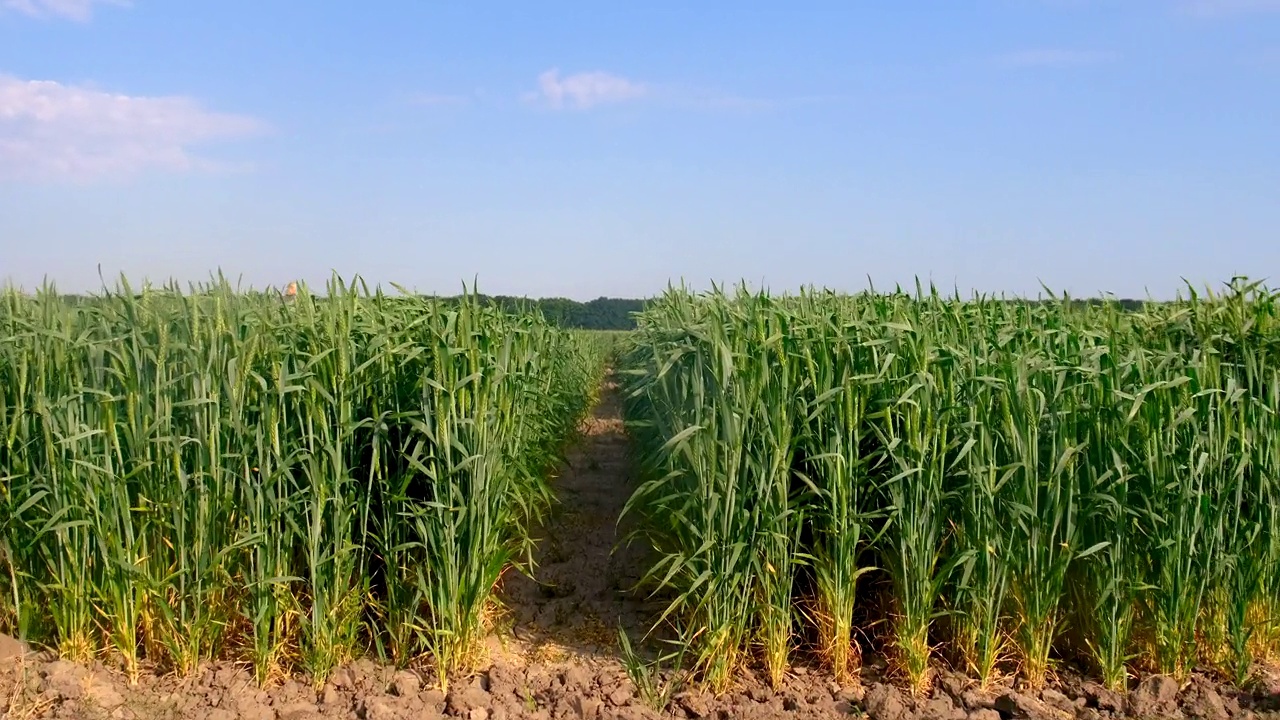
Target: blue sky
(582, 149)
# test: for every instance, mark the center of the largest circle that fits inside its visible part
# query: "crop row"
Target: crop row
(285, 481)
(998, 485)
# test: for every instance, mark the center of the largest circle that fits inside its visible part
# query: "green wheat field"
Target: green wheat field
(999, 485)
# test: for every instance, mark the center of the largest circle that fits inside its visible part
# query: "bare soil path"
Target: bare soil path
(581, 591)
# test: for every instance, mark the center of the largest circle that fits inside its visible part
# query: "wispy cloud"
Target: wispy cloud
(1217, 8)
(584, 89)
(49, 130)
(591, 89)
(78, 10)
(1058, 58)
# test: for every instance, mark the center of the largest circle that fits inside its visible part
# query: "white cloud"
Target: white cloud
(1051, 57)
(51, 130)
(1214, 8)
(78, 10)
(585, 89)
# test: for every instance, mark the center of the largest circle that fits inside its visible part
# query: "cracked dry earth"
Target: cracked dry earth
(555, 653)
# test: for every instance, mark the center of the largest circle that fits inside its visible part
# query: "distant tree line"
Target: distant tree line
(599, 314)
(1126, 304)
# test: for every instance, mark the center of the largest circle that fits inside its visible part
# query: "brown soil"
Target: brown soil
(555, 653)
